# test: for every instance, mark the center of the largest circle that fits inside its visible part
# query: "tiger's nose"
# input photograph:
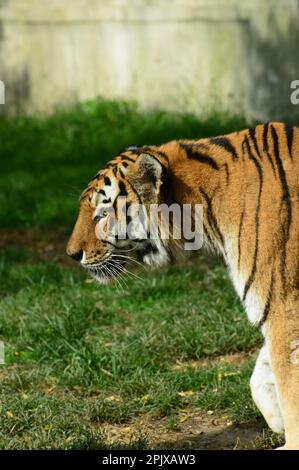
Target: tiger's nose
(78, 255)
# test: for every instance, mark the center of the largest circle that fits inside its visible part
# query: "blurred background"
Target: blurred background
(162, 360)
(190, 55)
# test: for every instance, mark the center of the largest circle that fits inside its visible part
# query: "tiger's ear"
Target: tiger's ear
(146, 177)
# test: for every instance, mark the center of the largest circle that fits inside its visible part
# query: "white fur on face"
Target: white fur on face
(158, 256)
(150, 251)
(100, 200)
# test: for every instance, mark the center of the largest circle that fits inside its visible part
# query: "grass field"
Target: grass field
(163, 361)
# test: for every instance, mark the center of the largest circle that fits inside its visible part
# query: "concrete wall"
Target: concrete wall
(190, 55)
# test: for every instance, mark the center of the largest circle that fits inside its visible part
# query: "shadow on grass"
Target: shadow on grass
(234, 437)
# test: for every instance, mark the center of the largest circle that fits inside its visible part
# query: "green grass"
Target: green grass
(79, 356)
(70, 345)
(46, 163)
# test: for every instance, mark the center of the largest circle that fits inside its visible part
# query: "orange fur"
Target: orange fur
(248, 183)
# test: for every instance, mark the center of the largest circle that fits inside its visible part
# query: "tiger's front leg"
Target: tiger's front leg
(263, 390)
(282, 339)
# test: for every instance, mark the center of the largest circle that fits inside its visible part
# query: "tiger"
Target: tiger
(247, 183)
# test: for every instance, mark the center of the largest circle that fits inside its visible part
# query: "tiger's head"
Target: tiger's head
(112, 227)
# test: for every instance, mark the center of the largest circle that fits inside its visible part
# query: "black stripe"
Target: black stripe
(284, 184)
(134, 191)
(207, 234)
(125, 157)
(162, 154)
(107, 181)
(240, 235)
(211, 218)
(121, 173)
(268, 302)
(111, 164)
(101, 191)
(110, 243)
(171, 256)
(225, 143)
(115, 205)
(252, 132)
(128, 216)
(106, 201)
(285, 199)
(289, 130)
(84, 196)
(257, 220)
(122, 189)
(194, 154)
(148, 249)
(227, 173)
(266, 145)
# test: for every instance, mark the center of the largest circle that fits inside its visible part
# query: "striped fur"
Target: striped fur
(248, 183)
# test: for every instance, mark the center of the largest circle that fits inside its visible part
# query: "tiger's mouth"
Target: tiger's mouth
(121, 263)
(106, 271)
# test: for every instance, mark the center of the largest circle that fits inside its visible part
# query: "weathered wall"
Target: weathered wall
(190, 55)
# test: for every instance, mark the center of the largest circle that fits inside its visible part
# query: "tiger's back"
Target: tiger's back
(252, 190)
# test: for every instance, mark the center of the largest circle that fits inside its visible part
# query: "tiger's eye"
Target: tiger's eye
(100, 216)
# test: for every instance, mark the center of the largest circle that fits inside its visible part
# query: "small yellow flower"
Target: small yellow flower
(48, 427)
(9, 414)
(145, 398)
(210, 412)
